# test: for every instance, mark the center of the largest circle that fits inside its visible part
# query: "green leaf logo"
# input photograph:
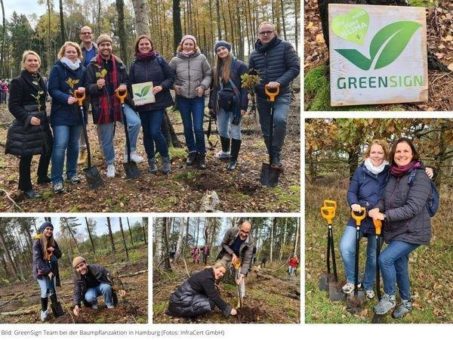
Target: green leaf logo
(145, 91)
(386, 46)
(137, 94)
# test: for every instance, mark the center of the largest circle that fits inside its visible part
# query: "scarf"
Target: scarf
(263, 48)
(145, 56)
(375, 170)
(187, 54)
(72, 65)
(400, 171)
(109, 105)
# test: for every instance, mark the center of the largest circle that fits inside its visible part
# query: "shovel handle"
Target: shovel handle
(271, 93)
(80, 96)
(121, 95)
(377, 226)
(358, 217)
(330, 203)
(328, 213)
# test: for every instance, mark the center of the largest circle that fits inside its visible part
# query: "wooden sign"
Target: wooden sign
(378, 54)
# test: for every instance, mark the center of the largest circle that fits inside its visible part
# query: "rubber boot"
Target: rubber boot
(166, 165)
(235, 147)
(225, 153)
(201, 161)
(152, 167)
(44, 313)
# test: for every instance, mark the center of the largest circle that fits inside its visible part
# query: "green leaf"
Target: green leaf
(145, 90)
(391, 41)
(137, 94)
(355, 57)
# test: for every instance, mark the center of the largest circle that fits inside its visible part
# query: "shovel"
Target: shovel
(270, 175)
(92, 174)
(355, 301)
(57, 309)
(240, 287)
(130, 167)
(377, 318)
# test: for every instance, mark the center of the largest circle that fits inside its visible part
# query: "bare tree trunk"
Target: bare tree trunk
(296, 27)
(98, 21)
(141, 10)
(144, 227)
(62, 31)
(282, 245)
(296, 240)
(122, 30)
(130, 231)
(2, 60)
(282, 9)
(6, 250)
(109, 226)
(124, 239)
(179, 243)
(217, 11)
(274, 223)
(89, 235)
(166, 250)
(49, 47)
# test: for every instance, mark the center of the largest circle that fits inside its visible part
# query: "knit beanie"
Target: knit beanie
(103, 38)
(78, 260)
(188, 36)
(44, 226)
(222, 43)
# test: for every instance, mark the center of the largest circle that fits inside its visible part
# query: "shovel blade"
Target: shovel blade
(269, 175)
(57, 310)
(131, 170)
(355, 302)
(93, 177)
(335, 291)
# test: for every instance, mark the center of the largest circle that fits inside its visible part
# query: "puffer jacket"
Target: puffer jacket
(404, 205)
(366, 189)
(80, 286)
(275, 61)
(62, 83)
(196, 296)
(40, 267)
(191, 72)
(245, 251)
(23, 138)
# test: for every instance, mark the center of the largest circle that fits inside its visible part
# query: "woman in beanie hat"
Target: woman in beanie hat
(45, 268)
(150, 66)
(193, 77)
(228, 100)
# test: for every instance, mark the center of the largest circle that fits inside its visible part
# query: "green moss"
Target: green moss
(290, 196)
(177, 153)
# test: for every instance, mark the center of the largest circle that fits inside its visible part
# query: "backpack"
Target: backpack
(434, 198)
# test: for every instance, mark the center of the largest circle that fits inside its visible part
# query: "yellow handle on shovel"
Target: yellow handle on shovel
(80, 97)
(358, 217)
(121, 95)
(328, 213)
(378, 226)
(271, 93)
(330, 203)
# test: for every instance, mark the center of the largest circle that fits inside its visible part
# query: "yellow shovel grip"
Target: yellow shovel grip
(358, 217)
(378, 226)
(330, 203)
(271, 93)
(121, 95)
(80, 97)
(328, 213)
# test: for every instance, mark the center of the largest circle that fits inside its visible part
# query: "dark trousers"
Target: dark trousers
(24, 170)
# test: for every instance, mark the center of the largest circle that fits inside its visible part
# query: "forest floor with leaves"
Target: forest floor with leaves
(430, 268)
(20, 301)
(440, 43)
(271, 296)
(181, 191)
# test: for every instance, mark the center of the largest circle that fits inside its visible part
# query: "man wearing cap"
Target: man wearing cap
(106, 74)
(91, 281)
(277, 64)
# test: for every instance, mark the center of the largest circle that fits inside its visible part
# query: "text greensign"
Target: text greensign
(378, 54)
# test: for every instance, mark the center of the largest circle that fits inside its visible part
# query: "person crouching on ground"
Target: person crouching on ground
(198, 295)
(91, 281)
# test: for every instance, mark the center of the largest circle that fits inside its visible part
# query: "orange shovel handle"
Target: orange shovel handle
(121, 95)
(378, 226)
(358, 217)
(80, 97)
(271, 93)
(330, 203)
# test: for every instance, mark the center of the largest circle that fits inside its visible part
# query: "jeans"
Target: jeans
(192, 114)
(281, 108)
(66, 140)
(106, 132)
(226, 129)
(347, 249)
(152, 133)
(394, 264)
(103, 289)
(46, 286)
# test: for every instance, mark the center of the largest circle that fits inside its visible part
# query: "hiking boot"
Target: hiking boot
(348, 288)
(44, 180)
(191, 158)
(111, 170)
(383, 307)
(74, 179)
(225, 153)
(369, 294)
(44, 315)
(402, 309)
(276, 162)
(201, 161)
(58, 188)
(32, 194)
(223, 156)
(152, 167)
(166, 165)
(235, 147)
(135, 157)
(83, 156)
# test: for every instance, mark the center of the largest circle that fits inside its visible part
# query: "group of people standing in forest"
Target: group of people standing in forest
(93, 71)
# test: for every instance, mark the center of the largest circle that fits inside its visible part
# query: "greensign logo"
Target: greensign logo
(386, 46)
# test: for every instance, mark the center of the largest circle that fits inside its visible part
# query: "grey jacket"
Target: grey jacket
(407, 217)
(191, 71)
(80, 286)
(245, 251)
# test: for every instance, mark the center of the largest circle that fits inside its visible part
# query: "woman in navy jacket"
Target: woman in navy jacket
(66, 77)
(150, 66)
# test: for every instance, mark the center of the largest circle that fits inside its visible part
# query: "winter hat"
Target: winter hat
(44, 226)
(103, 38)
(223, 43)
(78, 260)
(188, 36)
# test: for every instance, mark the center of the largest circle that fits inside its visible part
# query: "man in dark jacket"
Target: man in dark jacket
(106, 74)
(91, 281)
(277, 64)
(237, 245)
